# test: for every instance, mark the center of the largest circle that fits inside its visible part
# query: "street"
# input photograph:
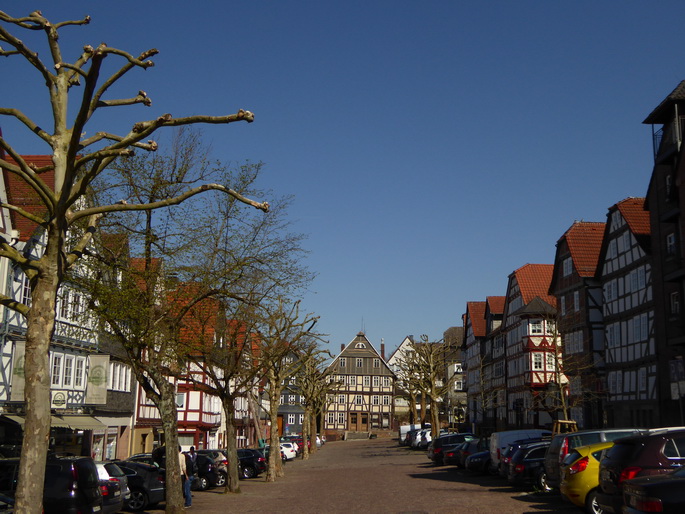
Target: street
(376, 475)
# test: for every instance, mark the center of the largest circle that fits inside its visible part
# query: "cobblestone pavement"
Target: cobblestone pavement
(376, 476)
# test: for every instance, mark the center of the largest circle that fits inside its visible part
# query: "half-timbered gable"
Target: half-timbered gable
(580, 318)
(364, 400)
(496, 370)
(475, 360)
(625, 271)
(401, 394)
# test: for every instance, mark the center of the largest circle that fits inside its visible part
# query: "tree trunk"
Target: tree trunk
(232, 478)
(306, 436)
(413, 415)
(167, 409)
(423, 410)
(435, 418)
(312, 430)
(275, 465)
(40, 327)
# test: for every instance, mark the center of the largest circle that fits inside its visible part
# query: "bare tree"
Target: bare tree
(77, 160)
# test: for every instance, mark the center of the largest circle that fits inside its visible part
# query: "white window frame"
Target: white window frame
(567, 266)
(537, 361)
(386, 381)
(68, 375)
(367, 381)
(360, 362)
(376, 381)
(343, 362)
(358, 399)
(291, 419)
(56, 369)
(341, 418)
(576, 301)
(80, 373)
(180, 401)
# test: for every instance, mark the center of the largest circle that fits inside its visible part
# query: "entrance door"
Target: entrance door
(354, 421)
(365, 422)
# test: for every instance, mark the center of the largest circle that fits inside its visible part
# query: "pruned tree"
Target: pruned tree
(284, 333)
(423, 369)
(67, 221)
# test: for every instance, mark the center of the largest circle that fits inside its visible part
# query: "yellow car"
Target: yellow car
(580, 475)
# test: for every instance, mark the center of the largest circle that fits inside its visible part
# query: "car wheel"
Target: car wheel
(137, 501)
(542, 482)
(249, 472)
(591, 505)
(220, 479)
(202, 484)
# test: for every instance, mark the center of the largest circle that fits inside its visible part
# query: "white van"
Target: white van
(500, 440)
(406, 428)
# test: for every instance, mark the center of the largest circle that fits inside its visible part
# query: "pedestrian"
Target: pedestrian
(184, 476)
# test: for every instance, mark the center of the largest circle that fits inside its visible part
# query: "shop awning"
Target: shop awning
(20, 420)
(16, 419)
(114, 421)
(77, 422)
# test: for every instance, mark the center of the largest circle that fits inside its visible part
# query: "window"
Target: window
(282, 400)
(670, 244)
(301, 419)
(341, 418)
(291, 419)
(68, 370)
(353, 380)
(612, 252)
(64, 305)
(537, 362)
(376, 363)
(367, 381)
(640, 328)
(26, 291)
(291, 399)
(458, 368)
(360, 362)
(330, 418)
(386, 381)
(567, 266)
(610, 292)
(550, 362)
(79, 372)
(458, 385)
(56, 367)
(341, 398)
(535, 327)
(375, 399)
(675, 303)
(180, 401)
(343, 362)
(358, 400)
(360, 345)
(576, 301)
(386, 400)
(376, 381)
(563, 306)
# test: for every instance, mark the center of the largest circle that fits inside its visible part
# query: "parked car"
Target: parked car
(563, 444)
(580, 475)
(113, 487)
(146, 483)
(220, 464)
(252, 462)
(288, 450)
(471, 447)
(404, 429)
(417, 438)
(527, 464)
(479, 462)
(435, 448)
(511, 449)
(658, 452)
(411, 435)
(450, 454)
(500, 440)
(661, 493)
(207, 474)
(146, 458)
(71, 484)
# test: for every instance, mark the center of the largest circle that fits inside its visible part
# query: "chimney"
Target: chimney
(383, 351)
(342, 347)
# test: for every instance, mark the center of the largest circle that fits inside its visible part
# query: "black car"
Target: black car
(71, 484)
(512, 448)
(146, 483)
(478, 462)
(252, 462)
(656, 453)
(450, 454)
(113, 486)
(662, 493)
(207, 473)
(435, 447)
(220, 463)
(527, 464)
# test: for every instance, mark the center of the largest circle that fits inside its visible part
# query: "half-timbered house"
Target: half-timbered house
(580, 320)
(625, 271)
(531, 347)
(363, 402)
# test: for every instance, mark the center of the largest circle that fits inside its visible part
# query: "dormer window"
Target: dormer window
(360, 345)
(567, 266)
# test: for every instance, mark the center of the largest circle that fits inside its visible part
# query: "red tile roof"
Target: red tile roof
(584, 241)
(20, 194)
(534, 280)
(634, 212)
(496, 304)
(476, 313)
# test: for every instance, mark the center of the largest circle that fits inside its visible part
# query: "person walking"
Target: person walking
(184, 476)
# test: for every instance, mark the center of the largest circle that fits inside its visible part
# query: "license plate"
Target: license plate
(96, 508)
(117, 493)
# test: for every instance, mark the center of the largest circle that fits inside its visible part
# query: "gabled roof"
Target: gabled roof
(536, 308)
(20, 194)
(584, 241)
(533, 281)
(634, 212)
(496, 304)
(476, 313)
(663, 113)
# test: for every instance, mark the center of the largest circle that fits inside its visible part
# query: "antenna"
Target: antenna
(363, 330)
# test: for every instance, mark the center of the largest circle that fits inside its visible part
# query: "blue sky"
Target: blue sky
(432, 147)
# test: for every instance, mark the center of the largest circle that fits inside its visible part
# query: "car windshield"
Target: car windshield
(570, 458)
(114, 470)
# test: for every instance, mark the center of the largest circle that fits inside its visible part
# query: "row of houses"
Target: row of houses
(599, 335)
